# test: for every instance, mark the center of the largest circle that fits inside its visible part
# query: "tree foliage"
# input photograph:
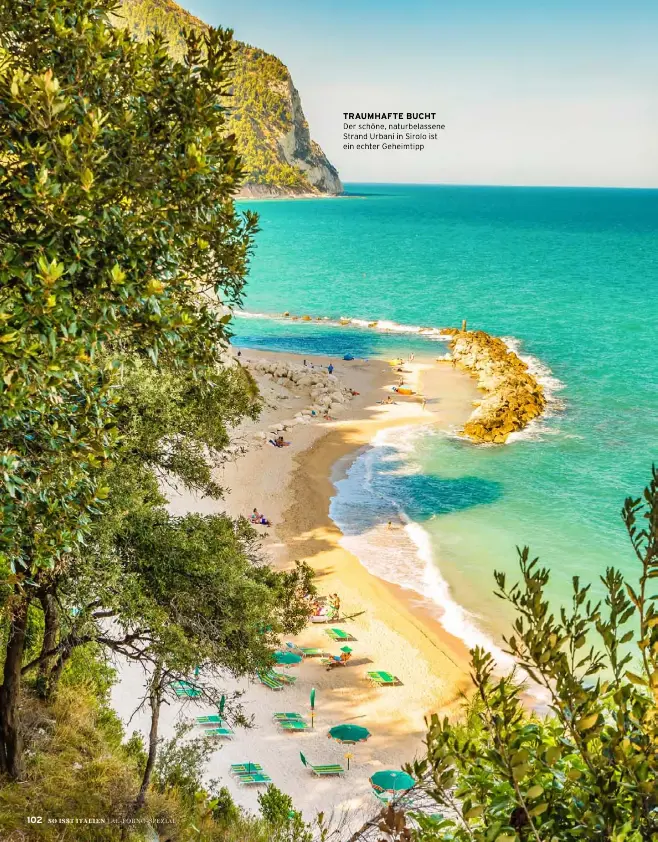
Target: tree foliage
(588, 770)
(115, 180)
(118, 238)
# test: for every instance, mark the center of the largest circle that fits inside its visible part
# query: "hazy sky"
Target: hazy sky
(560, 92)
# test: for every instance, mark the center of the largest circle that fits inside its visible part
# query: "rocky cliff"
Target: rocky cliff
(512, 395)
(266, 113)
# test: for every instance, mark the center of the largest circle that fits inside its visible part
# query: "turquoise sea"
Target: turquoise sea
(570, 276)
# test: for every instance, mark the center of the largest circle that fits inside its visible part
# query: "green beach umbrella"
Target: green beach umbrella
(287, 658)
(349, 733)
(345, 649)
(222, 702)
(392, 780)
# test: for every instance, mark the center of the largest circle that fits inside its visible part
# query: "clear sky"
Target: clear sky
(559, 92)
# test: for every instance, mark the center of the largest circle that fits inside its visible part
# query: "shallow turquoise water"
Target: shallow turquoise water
(570, 273)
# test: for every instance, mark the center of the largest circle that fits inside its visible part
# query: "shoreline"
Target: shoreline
(393, 629)
(315, 537)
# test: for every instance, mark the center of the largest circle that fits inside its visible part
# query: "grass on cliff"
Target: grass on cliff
(81, 766)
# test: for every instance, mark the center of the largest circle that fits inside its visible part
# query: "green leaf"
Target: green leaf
(553, 754)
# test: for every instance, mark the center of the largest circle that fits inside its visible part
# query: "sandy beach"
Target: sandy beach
(392, 629)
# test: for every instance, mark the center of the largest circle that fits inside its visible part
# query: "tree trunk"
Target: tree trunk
(155, 698)
(52, 679)
(51, 630)
(11, 748)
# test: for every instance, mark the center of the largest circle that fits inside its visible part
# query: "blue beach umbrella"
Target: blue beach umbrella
(392, 780)
(287, 658)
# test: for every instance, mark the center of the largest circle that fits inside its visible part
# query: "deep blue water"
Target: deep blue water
(572, 274)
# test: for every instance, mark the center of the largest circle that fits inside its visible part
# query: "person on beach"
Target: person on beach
(330, 368)
(423, 402)
(334, 603)
(339, 661)
(257, 517)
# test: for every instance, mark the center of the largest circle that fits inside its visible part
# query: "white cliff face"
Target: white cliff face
(296, 148)
(304, 154)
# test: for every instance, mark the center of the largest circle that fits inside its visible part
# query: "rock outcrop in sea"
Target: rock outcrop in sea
(512, 395)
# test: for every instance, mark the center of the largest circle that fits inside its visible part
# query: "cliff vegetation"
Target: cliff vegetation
(266, 116)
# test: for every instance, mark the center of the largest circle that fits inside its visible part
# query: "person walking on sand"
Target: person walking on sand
(330, 368)
(423, 402)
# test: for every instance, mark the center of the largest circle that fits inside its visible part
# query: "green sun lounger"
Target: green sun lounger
(284, 679)
(246, 769)
(225, 732)
(339, 634)
(183, 689)
(293, 724)
(326, 770)
(287, 717)
(384, 679)
(254, 780)
(270, 681)
(306, 651)
(209, 720)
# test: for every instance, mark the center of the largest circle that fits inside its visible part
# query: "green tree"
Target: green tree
(176, 594)
(171, 430)
(285, 823)
(118, 230)
(589, 770)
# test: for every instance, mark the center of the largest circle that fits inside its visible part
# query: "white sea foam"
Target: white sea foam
(381, 326)
(243, 314)
(536, 430)
(403, 555)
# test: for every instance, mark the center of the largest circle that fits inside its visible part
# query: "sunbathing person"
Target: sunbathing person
(339, 661)
(279, 442)
(257, 517)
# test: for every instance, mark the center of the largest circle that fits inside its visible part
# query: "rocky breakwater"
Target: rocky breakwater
(323, 393)
(512, 395)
